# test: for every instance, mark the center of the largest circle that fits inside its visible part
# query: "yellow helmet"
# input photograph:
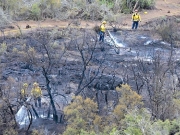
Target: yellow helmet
(35, 84)
(25, 85)
(104, 22)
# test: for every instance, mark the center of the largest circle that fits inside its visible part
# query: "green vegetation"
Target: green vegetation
(168, 32)
(3, 48)
(35, 11)
(61, 9)
(127, 118)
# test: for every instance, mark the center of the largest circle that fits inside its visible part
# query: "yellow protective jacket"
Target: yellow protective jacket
(102, 28)
(23, 93)
(136, 17)
(36, 92)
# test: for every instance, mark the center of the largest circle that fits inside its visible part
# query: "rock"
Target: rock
(5, 74)
(178, 20)
(68, 92)
(106, 82)
(3, 59)
(11, 27)
(28, 26)
(114, 29)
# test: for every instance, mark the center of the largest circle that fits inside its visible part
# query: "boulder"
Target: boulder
(106, 82)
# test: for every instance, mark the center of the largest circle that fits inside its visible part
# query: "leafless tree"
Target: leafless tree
(159, 83)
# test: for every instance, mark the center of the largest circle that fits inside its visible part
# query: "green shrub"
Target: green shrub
(62, 9)
(10, 131)
(126, 11)
(128, 5)
(174, 129)
(147, 4)
(108, 3)
(35, 11)
(168, 32)
(3, 48)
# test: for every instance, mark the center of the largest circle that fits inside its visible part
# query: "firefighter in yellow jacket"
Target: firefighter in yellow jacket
(36, 93)
(102, 31)
(135, 18)
(24, 92)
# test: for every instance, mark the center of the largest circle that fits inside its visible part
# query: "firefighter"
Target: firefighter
(23, 93)
(102, 31)
(36, 92)
(135, 19)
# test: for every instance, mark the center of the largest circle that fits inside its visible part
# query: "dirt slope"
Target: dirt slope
(163, 8)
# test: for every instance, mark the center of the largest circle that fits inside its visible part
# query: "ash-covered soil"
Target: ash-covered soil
(76, 63)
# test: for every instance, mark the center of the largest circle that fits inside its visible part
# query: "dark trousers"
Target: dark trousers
(37, 101)
(135, 24)
(101, 36)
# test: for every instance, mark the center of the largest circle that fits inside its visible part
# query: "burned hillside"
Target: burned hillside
(68, 62)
